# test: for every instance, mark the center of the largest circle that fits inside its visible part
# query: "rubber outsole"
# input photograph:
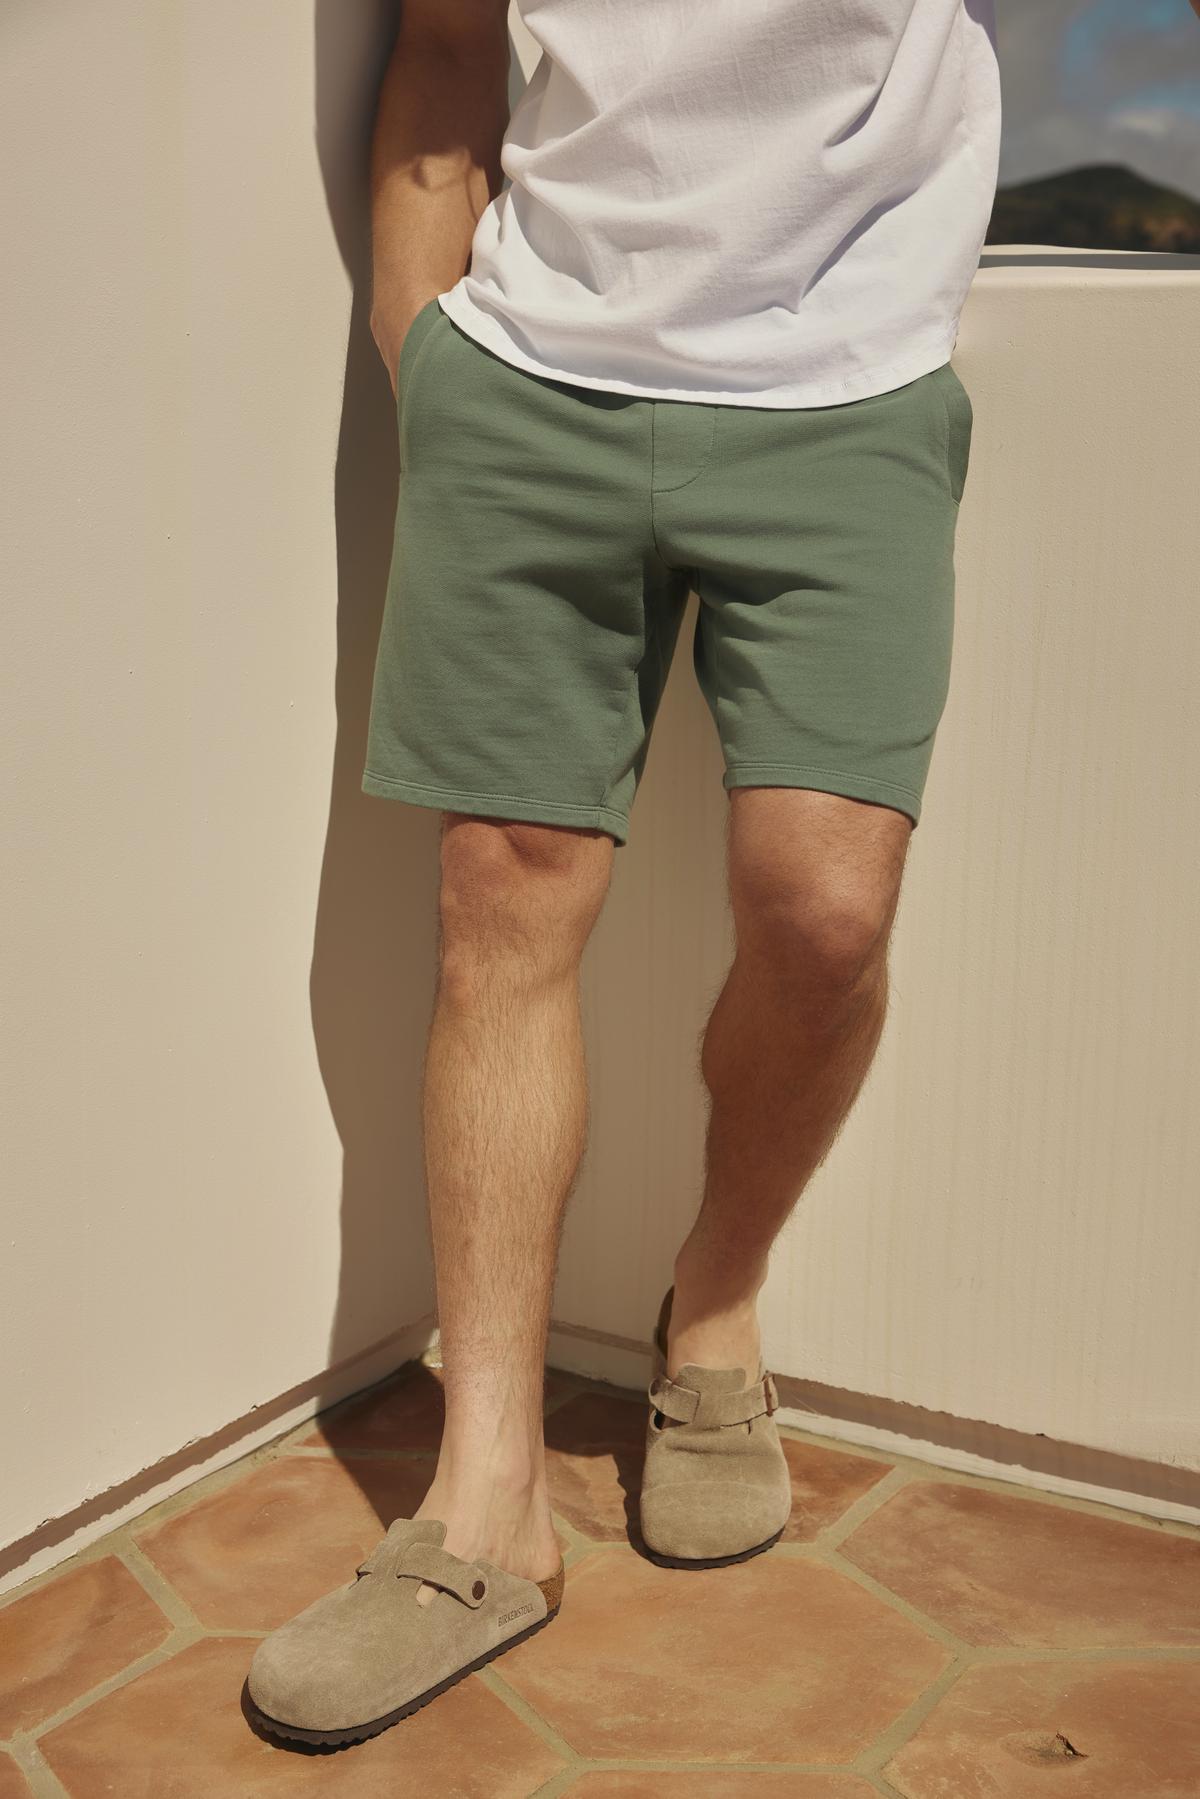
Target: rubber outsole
(361, 1733)
(713, 1561)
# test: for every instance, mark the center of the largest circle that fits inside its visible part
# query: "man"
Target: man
(701, 342)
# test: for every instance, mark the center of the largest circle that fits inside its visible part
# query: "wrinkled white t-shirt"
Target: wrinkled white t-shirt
(756, 202)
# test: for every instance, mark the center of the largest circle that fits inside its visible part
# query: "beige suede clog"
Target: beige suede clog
(716, 1487)
(368, 1654)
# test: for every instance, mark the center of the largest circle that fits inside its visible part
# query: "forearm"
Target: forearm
(435, 165)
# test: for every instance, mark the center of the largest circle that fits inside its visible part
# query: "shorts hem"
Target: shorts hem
(825, 780)
(498, 805)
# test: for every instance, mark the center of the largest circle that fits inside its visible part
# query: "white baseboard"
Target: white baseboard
(961, 1461)
(238, 1440)
(621, 1363)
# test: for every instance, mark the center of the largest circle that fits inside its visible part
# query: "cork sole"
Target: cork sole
(360, 1733)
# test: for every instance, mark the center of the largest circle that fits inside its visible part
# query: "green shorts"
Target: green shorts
(548, 535)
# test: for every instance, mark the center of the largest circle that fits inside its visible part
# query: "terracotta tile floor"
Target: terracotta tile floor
(917, 1633)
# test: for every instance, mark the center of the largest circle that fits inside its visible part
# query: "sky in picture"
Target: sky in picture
(1100, 81)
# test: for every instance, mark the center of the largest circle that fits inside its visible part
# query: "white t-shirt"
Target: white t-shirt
(756, 202)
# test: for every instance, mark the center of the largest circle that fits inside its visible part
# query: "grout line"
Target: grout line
(872, 1501)
(233, 1632)
(884, 1787)
(590, 1546)
(579, 1385)
(43, 1782)
(172, 1506)
(533, 1720)
(937, 1475)
(557, 1783)
(824, 1549)
(155, 1583)
(866, 1452)
(183, 1501)
(917, 1469)
(874, 1759)
(578, 1545)
(91, 1552)
(241, 1439)
(1007, 1486)
(175, 1643)
(1004, 1655)
(931, 1627)
(591, 1383)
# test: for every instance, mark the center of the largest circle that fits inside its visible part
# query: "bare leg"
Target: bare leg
(505, 1116)
(814, 884)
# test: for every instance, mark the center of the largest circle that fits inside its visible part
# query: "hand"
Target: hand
(390, 326)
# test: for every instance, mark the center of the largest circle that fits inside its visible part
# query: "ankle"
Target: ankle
(517, 1479)
(707, 1293)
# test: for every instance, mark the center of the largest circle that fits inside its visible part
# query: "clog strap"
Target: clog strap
(412, 1550)
(684, 1405)
(426, 1562)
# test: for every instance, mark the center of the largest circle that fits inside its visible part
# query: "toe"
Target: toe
(701, 1521)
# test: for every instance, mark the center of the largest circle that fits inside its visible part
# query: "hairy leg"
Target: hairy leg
(814, 883)
(505, 1117)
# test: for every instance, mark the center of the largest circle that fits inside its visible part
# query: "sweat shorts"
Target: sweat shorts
(547, 537)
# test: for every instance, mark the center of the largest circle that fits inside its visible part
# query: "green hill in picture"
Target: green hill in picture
(1103, 207)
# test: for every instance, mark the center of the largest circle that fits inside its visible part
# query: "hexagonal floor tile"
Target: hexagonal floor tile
(594, 1448)
(1009, 1730)
(254, 1553)
(712, 1783)
(405, 1412)
(1011, 1570)
(595, 1444)
(825, 1484)
(560, 1385)
(64, 1638)
(179, 1730)
(13, 1784)
(776, 1659)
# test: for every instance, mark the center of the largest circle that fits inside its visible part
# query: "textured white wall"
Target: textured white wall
(216, 951)
(1008, 1228)
(217, 954)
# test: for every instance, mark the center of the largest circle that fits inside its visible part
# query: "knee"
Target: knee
(817, 936)
(517, 902)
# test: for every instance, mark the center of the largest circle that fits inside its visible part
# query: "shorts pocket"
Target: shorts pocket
(415, 339)
(959, 421)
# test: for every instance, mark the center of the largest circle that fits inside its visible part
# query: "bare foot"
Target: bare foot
(505, 1523)
(711, 1328)
(729, 1340)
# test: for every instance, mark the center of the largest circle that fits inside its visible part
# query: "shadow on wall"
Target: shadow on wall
(374, 949)
(373, 955)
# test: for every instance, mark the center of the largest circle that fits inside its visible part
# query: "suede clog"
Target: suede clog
(715, 1487)
(368, 1654)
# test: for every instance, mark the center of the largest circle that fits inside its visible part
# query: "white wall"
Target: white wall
(216, 949)
(218, 954)
(1008, 1228)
